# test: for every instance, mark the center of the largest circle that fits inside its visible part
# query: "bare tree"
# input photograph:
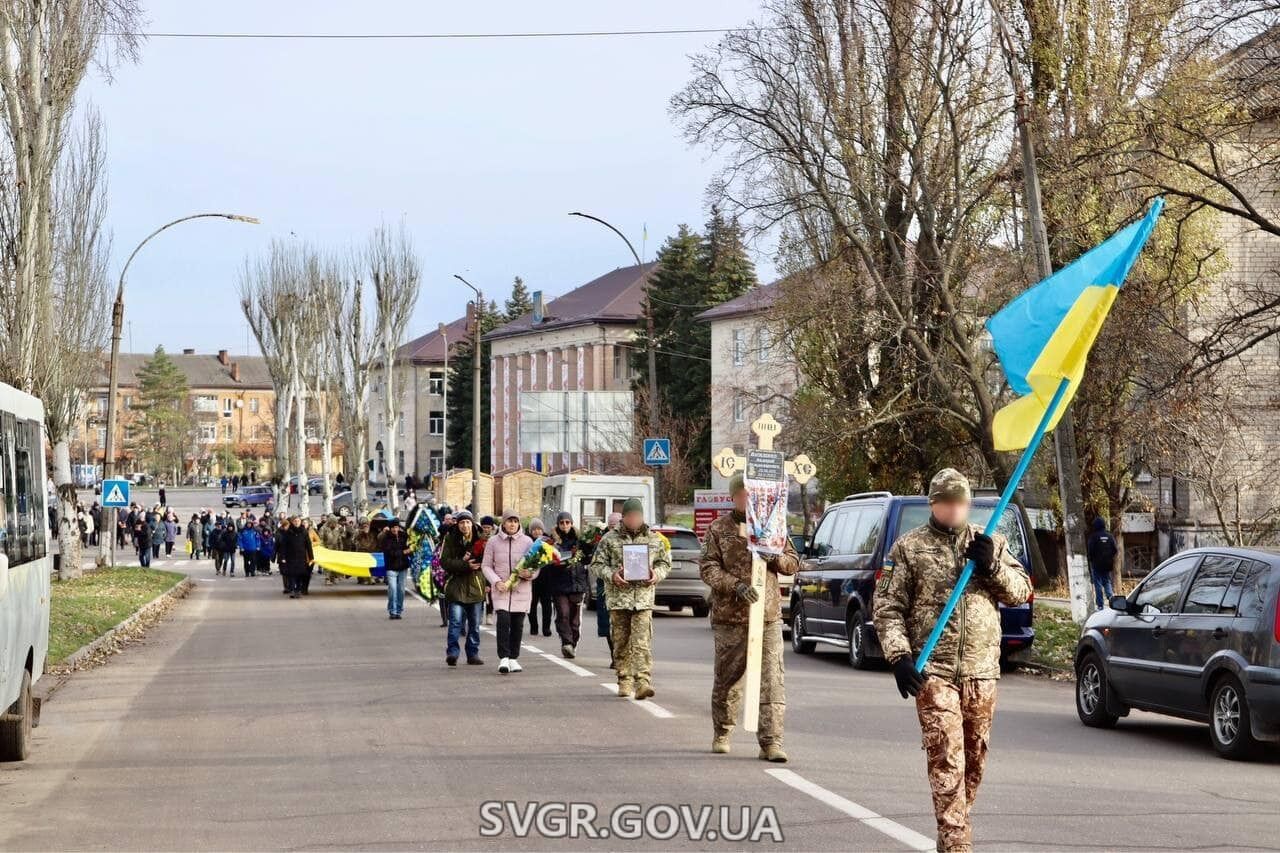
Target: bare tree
(397, 279)
(352, 360)
(71, 357)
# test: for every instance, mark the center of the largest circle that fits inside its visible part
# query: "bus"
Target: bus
(25, 567)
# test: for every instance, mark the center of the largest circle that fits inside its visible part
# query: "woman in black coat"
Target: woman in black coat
(295, 555)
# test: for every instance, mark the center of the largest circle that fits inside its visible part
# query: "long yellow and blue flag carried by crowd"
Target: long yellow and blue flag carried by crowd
(1042, 339)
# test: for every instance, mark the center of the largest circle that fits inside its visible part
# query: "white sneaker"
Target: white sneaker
(515, 666)
(504, 666)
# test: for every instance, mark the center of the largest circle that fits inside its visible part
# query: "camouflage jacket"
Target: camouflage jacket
(726, 562)
(332, 536)
(917, 578)
(608, 559)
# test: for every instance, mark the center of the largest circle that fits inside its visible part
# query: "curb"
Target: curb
(1044, 669)
(51, 682)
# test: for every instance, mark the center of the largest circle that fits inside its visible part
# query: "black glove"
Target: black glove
(746, 592)
(983, 553)
(909, 681)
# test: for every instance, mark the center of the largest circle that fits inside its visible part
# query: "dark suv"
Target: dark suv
(1200, 639)
(831, 597)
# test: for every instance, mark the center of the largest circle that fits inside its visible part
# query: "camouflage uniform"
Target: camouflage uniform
(631, 606)
(957, 701)
(333, 538)
(725, 563)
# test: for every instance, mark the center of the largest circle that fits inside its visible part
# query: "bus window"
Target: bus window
(13, 546)
(39, 518)
(23, 486)
(6, 493)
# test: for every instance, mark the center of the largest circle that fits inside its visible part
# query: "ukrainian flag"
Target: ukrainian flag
(1044, 335)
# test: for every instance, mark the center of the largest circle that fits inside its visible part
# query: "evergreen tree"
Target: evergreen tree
(519, 302)
(166, 422)
(694, 273)
(461, 383)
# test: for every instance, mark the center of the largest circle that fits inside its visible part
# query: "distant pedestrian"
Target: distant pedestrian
(170, 533)
(195, 538)
(1102, 550)
(95, 518)
(567, 583)
(541, 602)
(296, 555)
(511, 599)
(142, 540)
(266, 547)
(157, 527)
(163, 500)
(223, 483)
(394, 544)
(228, 541)
(248, 541)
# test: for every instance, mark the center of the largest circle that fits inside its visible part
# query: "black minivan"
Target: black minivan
(831, 596)
(1200, 639)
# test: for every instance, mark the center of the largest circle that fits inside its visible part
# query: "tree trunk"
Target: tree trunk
(326, 454)
(68, 529)
(389, 402)
(300, 447)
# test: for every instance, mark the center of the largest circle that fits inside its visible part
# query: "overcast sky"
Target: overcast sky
(481, 146)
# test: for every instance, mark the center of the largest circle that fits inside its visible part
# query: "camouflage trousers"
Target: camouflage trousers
(632, 635)
(731, 666)
(955, 725)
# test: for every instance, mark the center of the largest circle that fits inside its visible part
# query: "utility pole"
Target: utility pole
(1064, 435)
(106, 549)
(660, 508)
(476, 355)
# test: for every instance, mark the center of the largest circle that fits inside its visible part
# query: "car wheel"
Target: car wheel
(1091, 694)
(15, 724)
(856, 631)
(798, 643)
(1229, 727)
(701, 610)
(345, 512)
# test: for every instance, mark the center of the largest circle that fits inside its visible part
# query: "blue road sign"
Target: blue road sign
(657, 451)
(115, 493)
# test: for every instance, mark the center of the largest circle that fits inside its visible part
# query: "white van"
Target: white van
(592, 497)
(25, 567)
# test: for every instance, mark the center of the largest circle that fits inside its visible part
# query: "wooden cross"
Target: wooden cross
(802, 470)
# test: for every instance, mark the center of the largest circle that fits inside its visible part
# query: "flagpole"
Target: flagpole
(1006, 496)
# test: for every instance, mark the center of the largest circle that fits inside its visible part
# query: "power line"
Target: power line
(437, 36)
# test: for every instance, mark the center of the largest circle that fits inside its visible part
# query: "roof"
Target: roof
(615, 297)
(202, 371)
(430, 348)
(754, 301)
(1252, 67)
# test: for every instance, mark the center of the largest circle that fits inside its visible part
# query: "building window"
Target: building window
(382, 422)
(435, 423)
(739, 408)
(128, 401)
(435, 383)
(437, 462)
(205, 404)
(310, 432)
(226, 432)
(208, 433)
(620, 366)
(400, 425)
(226, 407)
(102, 436)
(764, 343)
(739, 347)
(102, 405)
(253, 405)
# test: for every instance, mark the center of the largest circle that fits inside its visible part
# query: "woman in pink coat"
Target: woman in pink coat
(501, 556)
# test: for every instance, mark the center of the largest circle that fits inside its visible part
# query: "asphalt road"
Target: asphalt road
(252, 721)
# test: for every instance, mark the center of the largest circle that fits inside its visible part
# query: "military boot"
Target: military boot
(644, 690)
(624, 689)
(720, 743)
(773, 752)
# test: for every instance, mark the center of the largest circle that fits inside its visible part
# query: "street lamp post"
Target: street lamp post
(117, 323)
(659, 505)
(444, 414)
(475, 395)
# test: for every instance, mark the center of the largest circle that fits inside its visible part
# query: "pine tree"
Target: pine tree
(166, 421)
(519, 302)
(694, 273)
(461, 383)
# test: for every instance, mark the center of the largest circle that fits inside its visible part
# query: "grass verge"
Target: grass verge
(1056, 636)
(84, 609)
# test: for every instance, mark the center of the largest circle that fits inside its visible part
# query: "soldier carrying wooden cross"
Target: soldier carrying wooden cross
(742, 555)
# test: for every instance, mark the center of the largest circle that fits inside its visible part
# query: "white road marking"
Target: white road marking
(893, 829)
(572, 667)
(652, 707)
(534, 649)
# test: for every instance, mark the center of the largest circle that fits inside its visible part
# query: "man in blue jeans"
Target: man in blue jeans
(394, 545)
(464, 587)
(1102, 552)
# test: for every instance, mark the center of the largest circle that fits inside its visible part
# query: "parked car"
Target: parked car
(344, 503)
(1199, 638)
(831, 598)
(250, 496)
(683, 587)
(785, 583)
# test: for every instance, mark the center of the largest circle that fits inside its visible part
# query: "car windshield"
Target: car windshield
(682, 540)
(914, 515)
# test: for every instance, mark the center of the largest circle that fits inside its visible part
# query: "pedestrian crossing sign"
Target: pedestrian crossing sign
(115, 493)
(657, 451)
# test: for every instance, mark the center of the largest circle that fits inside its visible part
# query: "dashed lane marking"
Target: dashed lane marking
(652, 707)
(572, 667)
(905, 835)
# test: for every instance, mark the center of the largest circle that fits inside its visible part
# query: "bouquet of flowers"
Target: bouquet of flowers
(542, 553)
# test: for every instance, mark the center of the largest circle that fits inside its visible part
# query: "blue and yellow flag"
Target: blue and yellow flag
(1045, 334)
